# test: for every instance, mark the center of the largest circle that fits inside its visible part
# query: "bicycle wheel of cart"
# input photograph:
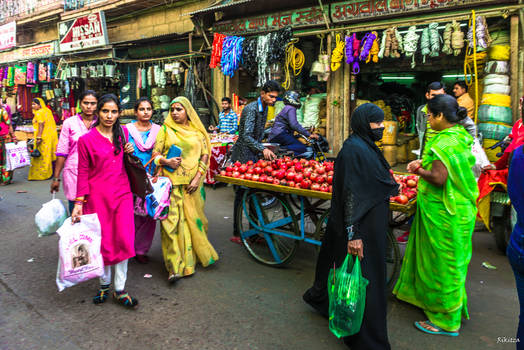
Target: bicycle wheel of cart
(393, 260)
(321, 228)
(268, 233)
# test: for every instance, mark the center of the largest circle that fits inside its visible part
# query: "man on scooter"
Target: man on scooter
(286, 123)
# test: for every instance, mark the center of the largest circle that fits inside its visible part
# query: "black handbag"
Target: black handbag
(138, 178)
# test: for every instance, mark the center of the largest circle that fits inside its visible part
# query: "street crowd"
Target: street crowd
(89, 154)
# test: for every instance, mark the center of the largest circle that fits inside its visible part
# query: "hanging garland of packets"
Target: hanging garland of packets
(257, 54)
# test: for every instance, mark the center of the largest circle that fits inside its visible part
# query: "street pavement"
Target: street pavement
(237, 304)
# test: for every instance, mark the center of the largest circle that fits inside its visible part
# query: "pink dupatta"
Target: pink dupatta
(151, 139)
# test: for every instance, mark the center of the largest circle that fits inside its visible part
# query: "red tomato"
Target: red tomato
(263, 178)
(229, 173)
(287, 159)
(242, 176)
(330, 179)
(268, 169)
(295, 160)
(291, 183)
(257, 170)
(223, 173)
(269, 179)
(330, 173)
(276, 182)
(281, 174)
(305, 183)
(330, 189)
(297, 185)
(229, 169)
(249, 162)
(242, 169)
(306, 163)
(256, 177)
(263, 164)
(283, 166)
(250, 171)
(237, 164)
(283, 182)
(402, 199)
(235, 168)
(321, 170)
(289, 164)
(321, 179)
(329, 166)
(299, 177)
(324, 188)
(236, 174)
(274, 173)
(302, 160)
(249, 176)
(307, 173)
(411, 183)
(315, 187)
(313, 177)
(290, 175)
(299, 167)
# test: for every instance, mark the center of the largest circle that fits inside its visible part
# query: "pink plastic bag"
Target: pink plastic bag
(79, 252)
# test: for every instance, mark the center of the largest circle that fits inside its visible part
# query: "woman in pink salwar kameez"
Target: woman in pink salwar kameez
(103, 188)
(67, 150)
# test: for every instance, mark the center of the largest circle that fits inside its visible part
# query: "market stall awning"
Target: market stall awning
(221, 6)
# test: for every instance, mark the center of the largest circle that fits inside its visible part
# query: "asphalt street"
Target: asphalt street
(237, 304)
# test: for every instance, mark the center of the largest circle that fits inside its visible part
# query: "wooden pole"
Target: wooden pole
(346, 97)
(329, 106)
(514, 66)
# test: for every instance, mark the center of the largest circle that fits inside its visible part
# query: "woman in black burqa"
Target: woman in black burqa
(358, 223)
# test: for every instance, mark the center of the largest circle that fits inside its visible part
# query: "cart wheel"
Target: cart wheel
(321, 228)
(393, 260)
(398, 218)
(263, 229)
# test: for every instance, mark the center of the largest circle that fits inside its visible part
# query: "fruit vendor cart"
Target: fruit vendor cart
(274, 219)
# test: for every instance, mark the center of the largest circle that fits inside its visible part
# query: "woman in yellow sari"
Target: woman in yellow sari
(184, 231)
(46, 139)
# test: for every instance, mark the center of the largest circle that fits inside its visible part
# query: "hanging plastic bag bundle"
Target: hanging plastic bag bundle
(79, 252)
(347, 298)
(50, 217)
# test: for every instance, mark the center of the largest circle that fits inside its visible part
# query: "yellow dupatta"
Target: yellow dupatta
(192, 139)
(43, 115)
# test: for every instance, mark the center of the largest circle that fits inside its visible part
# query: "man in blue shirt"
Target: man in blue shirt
(227, 119)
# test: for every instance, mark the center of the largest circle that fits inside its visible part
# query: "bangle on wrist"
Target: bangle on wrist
(79, 203)
(57, 179)
(417, 169)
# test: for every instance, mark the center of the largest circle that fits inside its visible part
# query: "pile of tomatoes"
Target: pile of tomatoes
(408, 188)
(287, 171)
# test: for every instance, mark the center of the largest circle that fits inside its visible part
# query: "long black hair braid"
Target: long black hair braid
(117, 129)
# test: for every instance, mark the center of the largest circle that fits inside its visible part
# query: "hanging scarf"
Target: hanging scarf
(151, 139)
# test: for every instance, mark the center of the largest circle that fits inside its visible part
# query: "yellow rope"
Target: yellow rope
(338, 53)
(294, 60)
(472, 53)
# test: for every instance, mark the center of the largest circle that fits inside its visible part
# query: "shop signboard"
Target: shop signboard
(83, 32)
(346, 11)
(311, 16)
(29, 53)
(8, 35)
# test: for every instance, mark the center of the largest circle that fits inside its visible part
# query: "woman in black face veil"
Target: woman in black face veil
(357, 224)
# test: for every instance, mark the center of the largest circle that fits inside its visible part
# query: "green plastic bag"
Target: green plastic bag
(347, 298)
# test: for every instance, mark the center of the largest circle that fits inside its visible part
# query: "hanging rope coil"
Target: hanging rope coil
(399, 40)
(457, 38)
(446, 36)
(410, 44)
(352, 52)
(430, 41)
(231, 55)
(249, 56)
(367, 43)
(373, 52)
(262, 56)
(295, 60)
(386, 39)
(278, 44)
(480, 31)
(216, 52)
(338, 53)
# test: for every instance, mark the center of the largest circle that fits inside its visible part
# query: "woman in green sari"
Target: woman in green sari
(435, 266)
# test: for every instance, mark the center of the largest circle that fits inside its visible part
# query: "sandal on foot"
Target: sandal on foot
(125, 299)
(439, 331)
(236, 239)
(142, 259)
(172, 279)
(102, 294)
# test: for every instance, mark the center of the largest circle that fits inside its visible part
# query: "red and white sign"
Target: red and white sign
(8, 35)
(83, 32)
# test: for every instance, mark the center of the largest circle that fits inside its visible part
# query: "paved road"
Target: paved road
(237, 304)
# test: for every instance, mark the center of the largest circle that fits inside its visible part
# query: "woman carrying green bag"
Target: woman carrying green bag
(359, 213)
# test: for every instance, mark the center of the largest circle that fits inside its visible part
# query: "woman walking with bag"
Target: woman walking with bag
(184, 232)
(435, 265)
(103, 188)
(67, 150)
(7, 134)
(46, 139)
(142, 134)
(357, 225)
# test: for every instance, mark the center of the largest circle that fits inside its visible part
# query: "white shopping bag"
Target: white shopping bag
(481, 159)
(17, 155)
(50, 217)
(79, 251)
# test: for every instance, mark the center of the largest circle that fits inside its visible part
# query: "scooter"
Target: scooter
(502, 216)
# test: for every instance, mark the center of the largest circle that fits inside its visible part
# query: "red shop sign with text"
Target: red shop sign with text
(83, 32)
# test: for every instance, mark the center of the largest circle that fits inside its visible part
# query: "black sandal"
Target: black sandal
(125, 299)
(102, 294)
